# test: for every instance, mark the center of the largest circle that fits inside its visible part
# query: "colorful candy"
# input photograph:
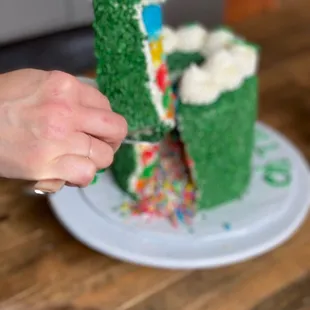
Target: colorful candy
(156, 48)
(169, 192)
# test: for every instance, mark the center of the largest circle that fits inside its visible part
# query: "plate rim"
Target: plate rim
(225, 260)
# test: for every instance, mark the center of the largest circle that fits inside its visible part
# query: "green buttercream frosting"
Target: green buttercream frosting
(219, 138)
(124, 165)
(179, 61)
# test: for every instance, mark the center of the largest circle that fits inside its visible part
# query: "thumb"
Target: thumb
(74, 169)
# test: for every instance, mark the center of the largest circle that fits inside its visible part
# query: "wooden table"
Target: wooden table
(43, 267)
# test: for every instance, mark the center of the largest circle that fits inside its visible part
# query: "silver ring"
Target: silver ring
(90, 150)
(59, 184)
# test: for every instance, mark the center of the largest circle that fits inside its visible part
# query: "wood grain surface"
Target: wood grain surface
(42, 267)
(240, 10)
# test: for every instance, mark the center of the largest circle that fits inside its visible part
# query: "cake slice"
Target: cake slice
(216, 119)
(131, 69)
(134, 168)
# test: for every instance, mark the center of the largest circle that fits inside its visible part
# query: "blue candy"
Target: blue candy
(152, 17)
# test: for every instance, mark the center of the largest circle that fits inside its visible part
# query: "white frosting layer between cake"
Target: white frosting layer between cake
(156, 94)
(225, 70)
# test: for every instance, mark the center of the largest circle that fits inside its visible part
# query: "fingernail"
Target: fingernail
(48, 186)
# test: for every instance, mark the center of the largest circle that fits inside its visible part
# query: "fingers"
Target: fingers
(73, 169)
(74, 119)
(77, 160)
(115, 126)
(105, 125)
(69, 104)
(92, 97)
(101, 153)
(48, 186)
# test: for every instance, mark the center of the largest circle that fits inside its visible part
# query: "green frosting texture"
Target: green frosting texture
(219, 138)
(122, 66)
(124, 165)
(179, 61)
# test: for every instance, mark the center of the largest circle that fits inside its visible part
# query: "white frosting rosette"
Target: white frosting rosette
(170, 40)
(191, 38)
(218, 39)
(187, 39)
(246, 58)
(197, 87)
(224, 70)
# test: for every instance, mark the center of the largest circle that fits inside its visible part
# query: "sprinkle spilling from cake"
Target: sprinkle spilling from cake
(170, 193)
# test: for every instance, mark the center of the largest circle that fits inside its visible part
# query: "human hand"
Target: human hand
(50, 123)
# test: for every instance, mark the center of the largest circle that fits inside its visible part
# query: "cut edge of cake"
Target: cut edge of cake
(213, 99)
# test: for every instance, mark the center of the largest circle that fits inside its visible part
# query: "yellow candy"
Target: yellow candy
(124, 206)
(189, 187)
(167, 185)
(157, 50)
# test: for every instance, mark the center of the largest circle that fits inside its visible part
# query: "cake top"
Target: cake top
(189, 38)
(194, 37)
(228, 64)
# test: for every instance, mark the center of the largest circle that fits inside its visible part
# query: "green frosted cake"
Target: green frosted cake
(216, 118)
(201, 144)
(131, 69)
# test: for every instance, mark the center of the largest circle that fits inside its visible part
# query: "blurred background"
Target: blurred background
(57, 34)
(43, 267)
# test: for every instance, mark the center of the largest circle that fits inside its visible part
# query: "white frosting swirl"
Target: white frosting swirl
(170, 40)
(217, 40)
(197, 87)
(191, 38)
(188, 39)
(225, 70)
(246, 58)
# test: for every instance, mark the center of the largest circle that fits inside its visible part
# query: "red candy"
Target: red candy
(162, 77)
(147, 157)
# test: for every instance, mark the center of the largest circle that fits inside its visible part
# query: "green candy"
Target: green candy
(122, 69)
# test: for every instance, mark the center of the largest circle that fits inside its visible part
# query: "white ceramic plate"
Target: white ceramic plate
(274, 207)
